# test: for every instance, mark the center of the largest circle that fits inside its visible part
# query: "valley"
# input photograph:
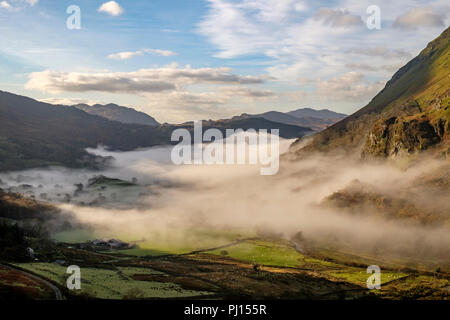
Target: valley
(96, 187)
(185, 258)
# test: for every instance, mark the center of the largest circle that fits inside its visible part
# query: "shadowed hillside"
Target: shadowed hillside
(34, 133)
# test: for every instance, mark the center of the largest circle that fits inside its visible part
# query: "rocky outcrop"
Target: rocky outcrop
(395, 136)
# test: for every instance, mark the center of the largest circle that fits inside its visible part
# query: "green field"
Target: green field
(359, 275)
(270, 254)
(281, 254)
(112, 284)
(156, 244)
(337, 267)
(230, 270)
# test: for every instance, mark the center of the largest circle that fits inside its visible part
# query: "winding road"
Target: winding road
(58, 294)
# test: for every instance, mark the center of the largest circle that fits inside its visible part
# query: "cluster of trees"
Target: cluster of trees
(13, 243)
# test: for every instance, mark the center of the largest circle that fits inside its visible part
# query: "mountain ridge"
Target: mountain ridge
(303, 117)
(310, 112)
(115, 112)
(38, 134)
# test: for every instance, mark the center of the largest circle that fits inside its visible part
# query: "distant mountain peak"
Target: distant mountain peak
(321, 114)
(317, 120)
(112, 111)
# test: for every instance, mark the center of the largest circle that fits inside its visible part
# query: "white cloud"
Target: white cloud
(276, 29)
(164, 53)
(26, 2)
(31, 2)
(222, 95)
(17, 5)
(229, 27)
(68, 101)
(347, 88)
(246, 92)
(273, 11)
(420, 17)
(162, 79)
(5, 5)
(184, 105)
(56, 82)
(130, 54)
(125, 55)
(298, 41)
(181, 106)
(112, 8)
(374, 68)
(380, 52)
(350, 86)
(338, 18)
(304, 38)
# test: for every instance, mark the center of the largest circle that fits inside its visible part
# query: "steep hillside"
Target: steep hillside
(411, 114)
(118, 113)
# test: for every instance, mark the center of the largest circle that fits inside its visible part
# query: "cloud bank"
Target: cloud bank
(167, 78)
(420, 17)
(338, 18)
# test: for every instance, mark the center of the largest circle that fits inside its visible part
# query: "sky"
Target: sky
(184, 60)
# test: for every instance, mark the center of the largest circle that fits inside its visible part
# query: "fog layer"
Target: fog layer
(204, 205)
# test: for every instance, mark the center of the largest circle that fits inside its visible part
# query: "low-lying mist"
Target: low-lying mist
(197, 206)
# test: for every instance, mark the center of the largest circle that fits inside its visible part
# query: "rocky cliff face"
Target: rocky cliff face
(409, 134)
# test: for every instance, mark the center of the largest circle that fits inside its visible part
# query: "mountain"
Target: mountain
(118, 113)
(274, 116)
(411, 113)
(305, 117)
(312, 113)
(35, 134)
(287, 131)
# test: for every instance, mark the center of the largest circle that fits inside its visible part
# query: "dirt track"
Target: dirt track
(58, 294)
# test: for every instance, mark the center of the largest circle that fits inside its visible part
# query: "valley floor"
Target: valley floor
(244, 269)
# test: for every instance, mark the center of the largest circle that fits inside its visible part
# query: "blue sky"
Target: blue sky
(193, 59)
